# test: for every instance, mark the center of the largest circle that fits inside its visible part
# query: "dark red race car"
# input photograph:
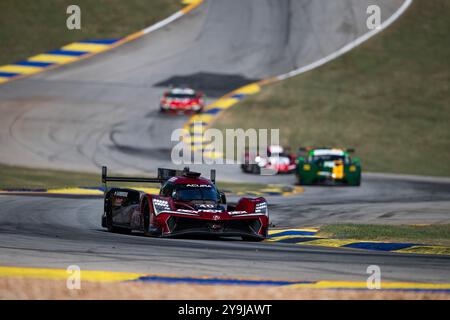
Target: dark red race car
(182, 100)
(187, 205)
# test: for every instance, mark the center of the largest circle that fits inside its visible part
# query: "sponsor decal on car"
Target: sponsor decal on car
(121, 194)
(193, 185)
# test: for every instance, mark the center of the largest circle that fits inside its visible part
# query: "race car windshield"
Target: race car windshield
(328, 158)
(281, 155)
(190, 193)
(181, 96)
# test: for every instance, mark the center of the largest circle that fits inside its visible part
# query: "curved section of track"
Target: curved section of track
(104, 110)
(58, 232)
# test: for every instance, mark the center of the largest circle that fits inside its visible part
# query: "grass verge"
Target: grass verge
(27, 178)
(34, 26)
(423, 234)
(389, 99)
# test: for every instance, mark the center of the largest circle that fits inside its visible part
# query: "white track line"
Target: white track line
(164, 22)
(349, 46)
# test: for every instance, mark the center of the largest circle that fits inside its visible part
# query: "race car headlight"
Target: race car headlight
(352, 168)
(160, 206)
(306, 167)
(261, 208)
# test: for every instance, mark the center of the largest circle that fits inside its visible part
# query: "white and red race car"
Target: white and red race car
(276, 159)
(182, 100)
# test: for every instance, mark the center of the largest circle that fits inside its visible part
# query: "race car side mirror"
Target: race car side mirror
(223, 198)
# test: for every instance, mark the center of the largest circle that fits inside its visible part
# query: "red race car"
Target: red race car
(277, 161)
(182, 100)
(187, 205)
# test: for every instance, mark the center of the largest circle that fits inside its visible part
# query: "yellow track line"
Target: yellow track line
(93, 49)
(61, 274)
(110, 276)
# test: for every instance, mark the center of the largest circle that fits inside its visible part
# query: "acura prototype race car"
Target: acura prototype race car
(187, 205)
(277, 160)
(328, 166)
(182, 100)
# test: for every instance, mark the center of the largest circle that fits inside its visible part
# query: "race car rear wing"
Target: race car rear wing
(105, 178)
(306, 149)
(163, 176)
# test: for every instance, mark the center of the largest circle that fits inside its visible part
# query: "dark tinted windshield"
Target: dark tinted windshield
(181, 96)
(196, 192)
(281, 155)
(324, 158)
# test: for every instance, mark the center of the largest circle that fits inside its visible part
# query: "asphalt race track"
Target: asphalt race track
(381, 199)
(58, 232)
(104, 110)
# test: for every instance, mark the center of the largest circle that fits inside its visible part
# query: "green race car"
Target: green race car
(328, 166)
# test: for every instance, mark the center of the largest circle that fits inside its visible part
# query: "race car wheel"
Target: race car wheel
(246, 168)
(109, 225)
(108, 215)
(146, 218)
(301, 182)
(111, 228)
(122, 230)
(256, 169)
(252, 239)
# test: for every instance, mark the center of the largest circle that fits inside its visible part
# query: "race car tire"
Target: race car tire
(146, 218)
(115, 229)
(251, 239)
(109, 222)
(111, 228)
(255, 169)
(122, 230)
